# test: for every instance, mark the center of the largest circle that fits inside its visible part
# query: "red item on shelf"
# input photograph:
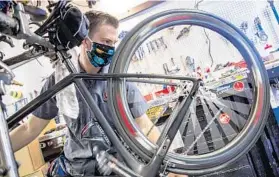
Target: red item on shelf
(165, 91)
(267, 46)
(159, 93)
(207, 70)
(241, 64)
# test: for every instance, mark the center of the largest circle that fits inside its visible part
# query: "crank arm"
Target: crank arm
(107, 164)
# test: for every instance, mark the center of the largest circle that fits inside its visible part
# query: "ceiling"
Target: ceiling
(113, 7)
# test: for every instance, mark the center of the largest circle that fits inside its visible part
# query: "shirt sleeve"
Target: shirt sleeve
(48, 110)
(137, 104)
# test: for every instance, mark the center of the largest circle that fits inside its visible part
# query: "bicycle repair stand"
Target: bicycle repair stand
(8, 166)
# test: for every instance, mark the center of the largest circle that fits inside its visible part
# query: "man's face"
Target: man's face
(104, 34)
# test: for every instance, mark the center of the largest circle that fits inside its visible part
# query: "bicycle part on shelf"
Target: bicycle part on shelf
(157, 44)
(175, 68)
(122, 34)
(244, 26)
(152, 47)
(184, 32)
(148, 47)
(260, 32)
(7, 40)
(254, 118)
(190, 62)
(271, 3)
(166, 68)
(161, 39)
(143, 52)
(139, 54)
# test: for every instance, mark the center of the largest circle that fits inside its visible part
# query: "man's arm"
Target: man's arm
(138, 107)
(146, 125)
(27, 132)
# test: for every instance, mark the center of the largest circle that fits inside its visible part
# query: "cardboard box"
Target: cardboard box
(25, 162)
(30, 157)
(41, 172)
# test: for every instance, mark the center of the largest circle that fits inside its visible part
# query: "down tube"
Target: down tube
(129, 159)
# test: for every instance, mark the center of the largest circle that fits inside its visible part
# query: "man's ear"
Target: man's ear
(86, 44)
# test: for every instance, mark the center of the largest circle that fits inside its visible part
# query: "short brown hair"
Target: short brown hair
(97, 18)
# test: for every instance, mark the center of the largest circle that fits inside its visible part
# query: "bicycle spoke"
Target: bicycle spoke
(202, 132)
(216, 127)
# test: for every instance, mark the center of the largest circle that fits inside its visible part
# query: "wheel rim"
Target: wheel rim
(233, 149)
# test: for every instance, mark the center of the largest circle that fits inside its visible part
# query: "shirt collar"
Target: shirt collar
(104, 69)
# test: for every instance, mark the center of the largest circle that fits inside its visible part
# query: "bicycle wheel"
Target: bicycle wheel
(237, 115)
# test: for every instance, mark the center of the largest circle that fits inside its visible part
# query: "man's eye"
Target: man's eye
(108, 42)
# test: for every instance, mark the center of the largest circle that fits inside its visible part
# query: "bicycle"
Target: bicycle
(145, 159)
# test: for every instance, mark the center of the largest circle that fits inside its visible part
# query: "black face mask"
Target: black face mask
(100, 55)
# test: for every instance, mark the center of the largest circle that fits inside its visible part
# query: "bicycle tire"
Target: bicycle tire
(238, 146)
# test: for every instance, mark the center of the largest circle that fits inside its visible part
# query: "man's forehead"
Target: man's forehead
(105, 32)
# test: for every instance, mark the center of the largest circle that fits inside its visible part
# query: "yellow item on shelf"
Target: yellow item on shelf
(16, 94)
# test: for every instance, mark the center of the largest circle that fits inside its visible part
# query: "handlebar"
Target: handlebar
(18, 27)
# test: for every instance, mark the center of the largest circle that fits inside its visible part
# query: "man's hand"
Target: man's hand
(146, 125)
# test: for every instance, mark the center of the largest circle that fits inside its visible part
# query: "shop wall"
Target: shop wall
(196, 43)
(30, 74)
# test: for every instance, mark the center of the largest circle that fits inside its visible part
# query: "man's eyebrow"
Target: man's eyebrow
(107, 39)
(113, 41)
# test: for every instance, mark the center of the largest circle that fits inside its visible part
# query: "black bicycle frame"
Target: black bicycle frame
(163, 143)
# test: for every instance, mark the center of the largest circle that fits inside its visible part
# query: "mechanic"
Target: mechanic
(77, 158)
